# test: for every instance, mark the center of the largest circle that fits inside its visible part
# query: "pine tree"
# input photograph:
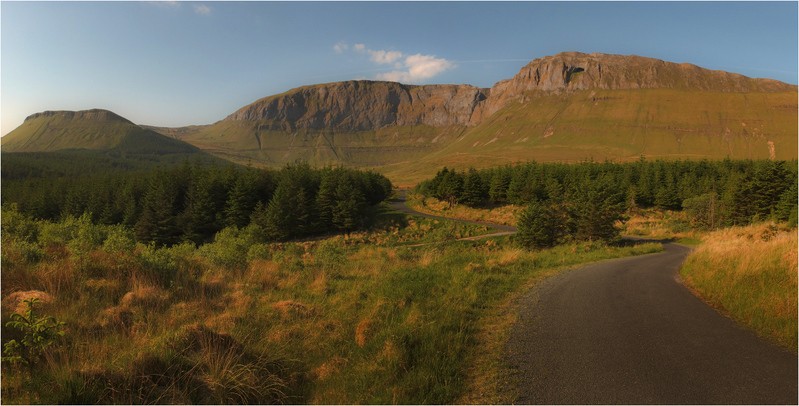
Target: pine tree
(240, 202)
(537, 226)
(198, 219)
(326, 201)
(350, 205)
(498, 188)
(474, 193)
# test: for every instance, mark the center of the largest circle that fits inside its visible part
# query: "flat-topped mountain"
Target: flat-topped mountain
(94, 129)
(566, 107)
(370, 105)
(364, 105)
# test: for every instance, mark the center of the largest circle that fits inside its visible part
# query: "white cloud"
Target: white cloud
(412, 69)
(340, 47)
(418, 68)
(384, 57)
(202, 9)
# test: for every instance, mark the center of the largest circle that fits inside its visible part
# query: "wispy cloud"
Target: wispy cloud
(202, 9)
(414, 68)
(384, 57)
(340, 47)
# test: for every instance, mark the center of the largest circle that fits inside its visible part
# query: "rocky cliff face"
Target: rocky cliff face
(369, 105)
(365, 105)
(573, 71)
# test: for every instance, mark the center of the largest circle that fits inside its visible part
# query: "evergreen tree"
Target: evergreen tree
(537, 226)
(199, 219)
(350, 206)
(288, 214)
(241, 201)
(157, 222)
(474, 193)
(450, 187)
(786, 208)
(326, 201)
(498, 188)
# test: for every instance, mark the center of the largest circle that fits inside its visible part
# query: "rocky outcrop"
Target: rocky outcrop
(574, 71)
(365, 105)
(369, 105)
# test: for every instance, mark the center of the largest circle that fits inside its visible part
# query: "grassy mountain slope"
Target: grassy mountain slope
(252, 142)
(98, 130)
(566, 107)
(622, 125)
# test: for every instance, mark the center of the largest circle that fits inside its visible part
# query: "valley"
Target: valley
(375, 242)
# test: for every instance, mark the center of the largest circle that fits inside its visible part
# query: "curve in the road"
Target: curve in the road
(627, 331)
(398, 203)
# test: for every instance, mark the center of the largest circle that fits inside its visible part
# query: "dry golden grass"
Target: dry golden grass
(750, 273)
(290, 309)
(263, 273)
(654, 223)
(57, 277)
(498, 215)
(15, 302)
(428, 257)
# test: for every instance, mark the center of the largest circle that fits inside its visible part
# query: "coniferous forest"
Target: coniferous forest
(193, 201)
(585, 201)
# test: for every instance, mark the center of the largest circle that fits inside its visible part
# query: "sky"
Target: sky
(182, 63)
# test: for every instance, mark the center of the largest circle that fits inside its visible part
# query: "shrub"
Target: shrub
(38, 333)
(229, 249)
(537, 226)
(119, 239)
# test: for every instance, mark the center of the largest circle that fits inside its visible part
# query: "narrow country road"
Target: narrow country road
(627, 331)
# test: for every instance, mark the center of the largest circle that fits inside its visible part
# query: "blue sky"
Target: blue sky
(181, 63)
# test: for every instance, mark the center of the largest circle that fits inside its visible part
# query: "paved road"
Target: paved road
(626, 331)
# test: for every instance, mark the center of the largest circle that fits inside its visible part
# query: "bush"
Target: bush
(119, 239)
(537, 226)
(229, 249)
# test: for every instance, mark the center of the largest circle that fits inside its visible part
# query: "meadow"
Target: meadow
(368, 317)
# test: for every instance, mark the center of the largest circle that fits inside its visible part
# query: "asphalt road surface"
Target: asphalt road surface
(627, 331)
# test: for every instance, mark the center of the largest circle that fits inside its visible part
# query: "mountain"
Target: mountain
(566, 107)
(97, 130)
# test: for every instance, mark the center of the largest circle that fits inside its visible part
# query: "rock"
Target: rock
(364, 106)
(573, 71)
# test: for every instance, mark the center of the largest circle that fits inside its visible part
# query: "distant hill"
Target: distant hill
(98, 130)
(566, 107)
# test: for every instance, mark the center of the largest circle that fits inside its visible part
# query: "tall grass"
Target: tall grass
(750, 273)
(506, 214)
(364, 318)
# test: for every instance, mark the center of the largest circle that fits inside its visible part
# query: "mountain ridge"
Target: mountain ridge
(569, 106)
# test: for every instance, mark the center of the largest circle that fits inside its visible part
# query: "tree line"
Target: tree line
(585, 200)
(193, 202)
